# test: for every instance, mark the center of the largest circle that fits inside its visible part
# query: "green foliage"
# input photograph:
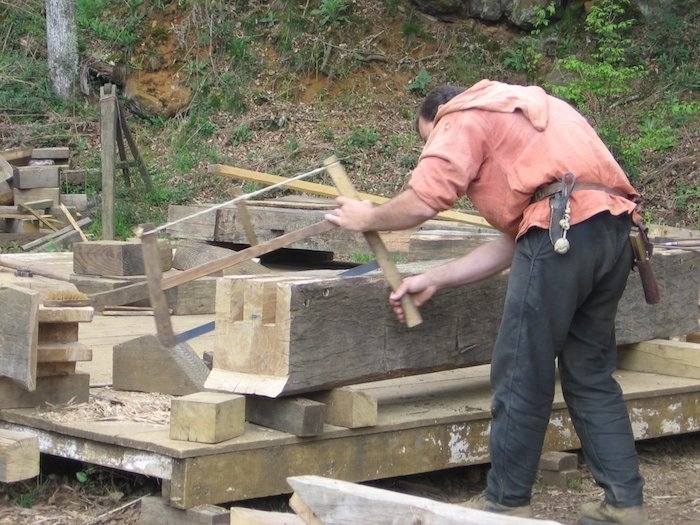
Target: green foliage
(421, 83)
(241, 134)
(361, 138)
(526, 55)
(331, 13)
(603, 73)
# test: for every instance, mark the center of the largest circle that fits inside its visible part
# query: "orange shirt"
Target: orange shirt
(497, 144)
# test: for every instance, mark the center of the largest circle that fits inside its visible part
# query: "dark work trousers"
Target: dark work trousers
(563, 306)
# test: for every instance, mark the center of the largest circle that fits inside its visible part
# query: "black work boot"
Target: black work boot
(606, 514)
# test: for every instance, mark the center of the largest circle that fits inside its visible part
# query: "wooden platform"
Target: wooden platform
(425, 423)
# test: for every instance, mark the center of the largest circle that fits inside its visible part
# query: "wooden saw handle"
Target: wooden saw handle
(391, 273)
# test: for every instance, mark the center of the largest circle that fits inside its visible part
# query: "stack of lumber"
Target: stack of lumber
(30, 195)
(39, 349)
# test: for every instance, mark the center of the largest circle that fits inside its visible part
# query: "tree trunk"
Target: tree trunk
(61, 36)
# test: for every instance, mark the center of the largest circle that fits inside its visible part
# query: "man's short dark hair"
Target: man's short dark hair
(436, 98)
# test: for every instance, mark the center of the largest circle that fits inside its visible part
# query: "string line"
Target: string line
(238, 199)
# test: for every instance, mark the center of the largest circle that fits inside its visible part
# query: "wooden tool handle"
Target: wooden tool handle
(391, 273)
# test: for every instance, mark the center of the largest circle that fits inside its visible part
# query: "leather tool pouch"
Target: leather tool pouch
(643, 250)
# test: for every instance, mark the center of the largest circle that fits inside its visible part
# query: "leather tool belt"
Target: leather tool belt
(550, 189)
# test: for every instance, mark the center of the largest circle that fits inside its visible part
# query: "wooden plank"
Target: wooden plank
(245, 516)
(61, 314)
(336, 502)
(52, 389)
(55, 235)
(658, 356)
(73, 222)
(61, 352)
(118, 258)
(392, 275)
(40, 218)
(207, 417)
(294, 415)
(35, 194)
(180, 370)
(19, 335)
(56, 153)
(303, 335)
(19, 456)
(16, 153)
(28, 177)
(328, 191)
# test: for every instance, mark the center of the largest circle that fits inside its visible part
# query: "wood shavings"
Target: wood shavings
(106, 404)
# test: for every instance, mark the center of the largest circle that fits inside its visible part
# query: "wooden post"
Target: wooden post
(392, 275)
(108, 140)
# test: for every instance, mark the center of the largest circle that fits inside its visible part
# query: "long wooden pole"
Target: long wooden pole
(325, 190)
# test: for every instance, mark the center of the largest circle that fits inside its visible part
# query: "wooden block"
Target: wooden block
(53, 389)
(556, 461)
(336, 502)
(294, 415)
(55, 368)
(19, 335)
(180, 370)
(28, 177)
(56, 153)
(660, 356)
(348, 408)
(21, 196)
(191, 254)
(116, 258)
(193, 297)
(244, 516)
(65, 314)
(58, 332)
(17, 154)
(207, 417)
(19, 456)
(563, 479)
(79, 201)
(278, 336)
(693, 338)
(155, 511)
(61, 352)
(28, 225)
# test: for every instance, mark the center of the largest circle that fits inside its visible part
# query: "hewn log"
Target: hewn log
(283, 335)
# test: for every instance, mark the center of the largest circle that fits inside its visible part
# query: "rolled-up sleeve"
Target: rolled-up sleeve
(449, 162)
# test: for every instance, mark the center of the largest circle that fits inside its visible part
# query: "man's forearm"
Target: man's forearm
(482, 262)
(404, 211)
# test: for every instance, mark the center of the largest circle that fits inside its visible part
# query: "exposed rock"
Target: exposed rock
(520, 13)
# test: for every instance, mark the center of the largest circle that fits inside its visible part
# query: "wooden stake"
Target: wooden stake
(345, 187)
